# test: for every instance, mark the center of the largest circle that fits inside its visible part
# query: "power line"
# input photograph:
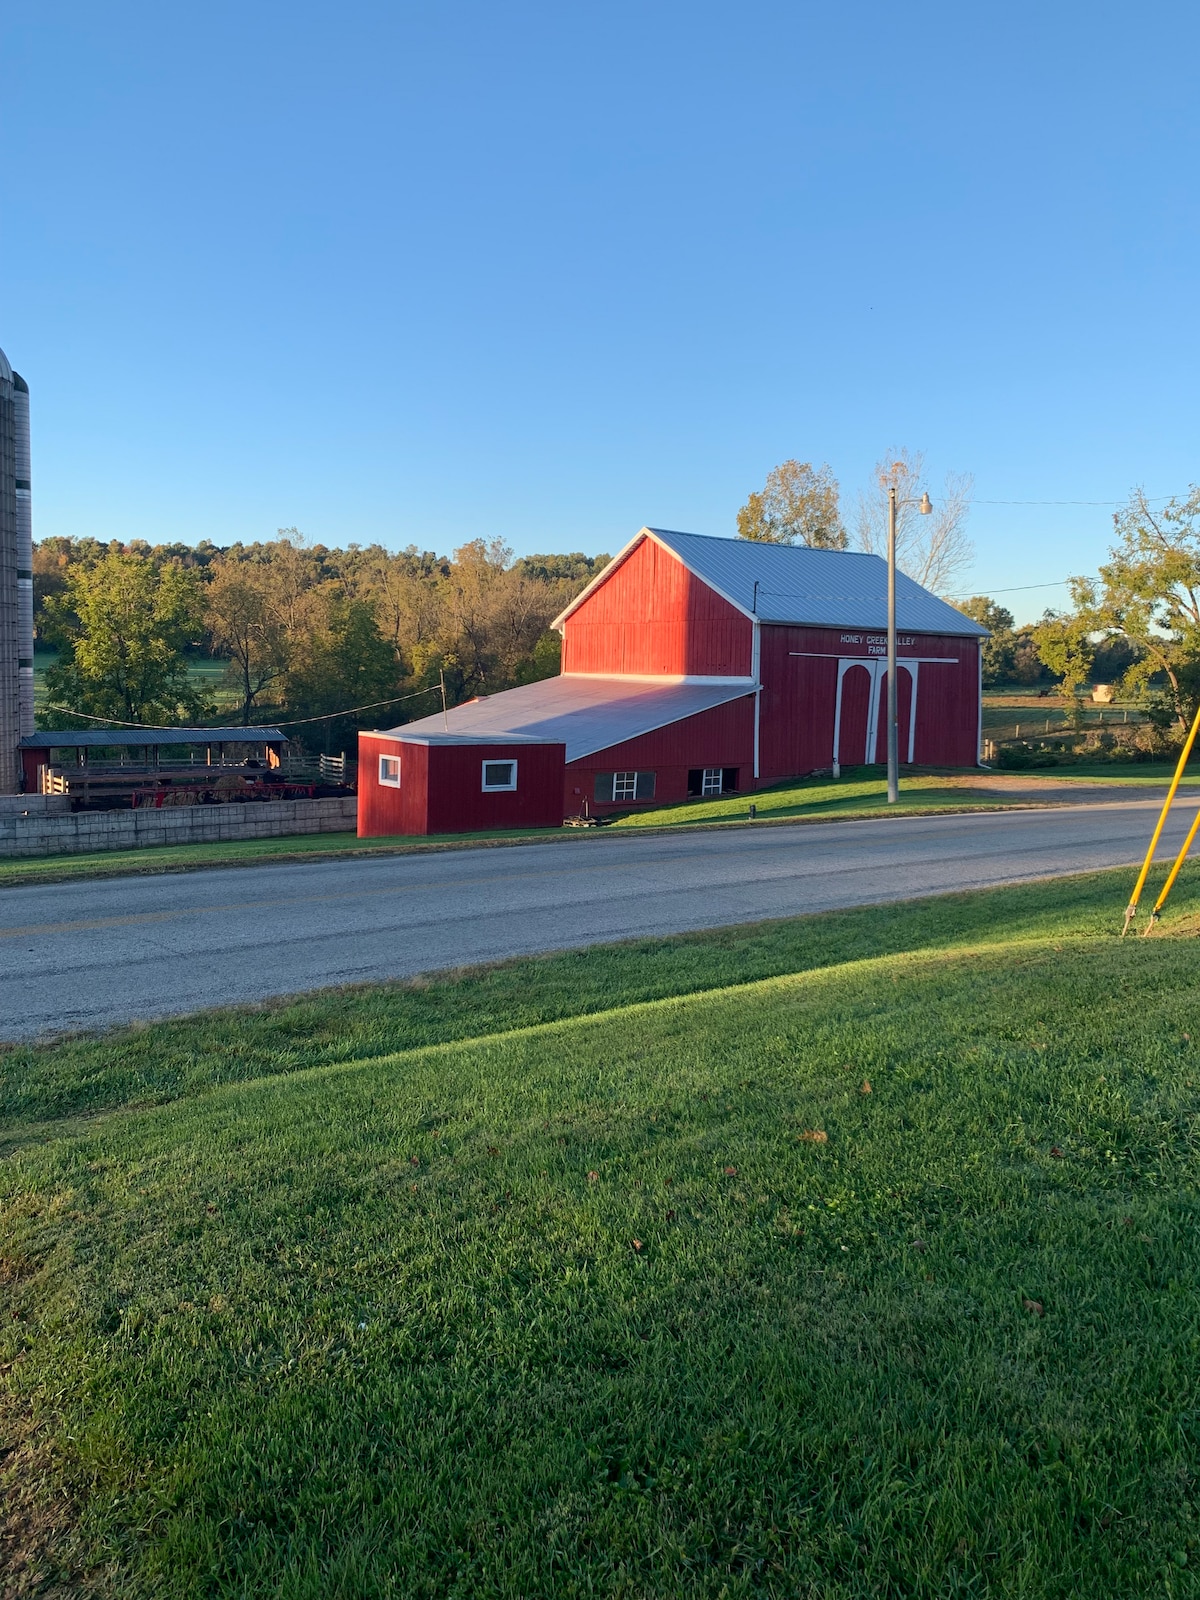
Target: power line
(234, 727)
(1017, 588)
(330, 716)
(1150, 500)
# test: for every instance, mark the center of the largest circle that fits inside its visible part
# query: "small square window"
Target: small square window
(624, 785)
(389, 771)
(711, 783)
(499, 775)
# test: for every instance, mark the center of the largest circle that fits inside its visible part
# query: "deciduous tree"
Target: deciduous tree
(342, 662)
(798, 504)
(122, 626)
(1148, 593)
(243, 623)
(1064, 642)
(999, 648)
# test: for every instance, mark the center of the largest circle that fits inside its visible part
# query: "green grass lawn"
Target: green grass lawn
(847, 1256)
(860, 791)
(1149, 773)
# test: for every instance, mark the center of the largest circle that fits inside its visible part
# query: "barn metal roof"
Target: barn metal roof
(96, 738)
(793, 584)
(585, 712)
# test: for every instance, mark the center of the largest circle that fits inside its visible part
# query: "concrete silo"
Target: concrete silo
(16, 574)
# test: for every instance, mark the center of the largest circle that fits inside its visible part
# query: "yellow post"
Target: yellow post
(1174, 873)
(1131, 908)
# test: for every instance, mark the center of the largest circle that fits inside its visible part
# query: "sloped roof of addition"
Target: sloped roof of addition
(586, 712)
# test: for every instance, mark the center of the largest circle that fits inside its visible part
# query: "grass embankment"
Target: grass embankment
(849, 1256)
(859, 792)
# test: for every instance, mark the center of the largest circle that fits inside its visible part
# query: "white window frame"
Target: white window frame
(624, 786)
(707, 777)
(498, 788)
(385, 778)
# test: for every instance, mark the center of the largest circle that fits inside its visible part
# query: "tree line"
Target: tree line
(307, 631)
(303, 629)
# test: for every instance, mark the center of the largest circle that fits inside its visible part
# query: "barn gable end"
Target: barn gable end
(648, 614)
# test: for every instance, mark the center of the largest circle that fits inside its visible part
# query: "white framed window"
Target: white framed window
(389, 771)
(712, 781)
(499, 775)
(612, 787)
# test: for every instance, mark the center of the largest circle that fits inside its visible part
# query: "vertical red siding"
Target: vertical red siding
(799, 699)
(948, 714)
(383, 810)
(653, 616)
(458, 804)
(722, 737)
(441, 787)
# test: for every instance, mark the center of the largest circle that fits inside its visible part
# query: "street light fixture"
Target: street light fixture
(893, 700)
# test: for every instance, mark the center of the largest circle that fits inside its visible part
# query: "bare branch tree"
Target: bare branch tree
(932, 549)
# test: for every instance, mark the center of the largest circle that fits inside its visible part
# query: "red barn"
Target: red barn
(694, 665)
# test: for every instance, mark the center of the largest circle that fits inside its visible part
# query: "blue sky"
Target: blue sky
(418, 273)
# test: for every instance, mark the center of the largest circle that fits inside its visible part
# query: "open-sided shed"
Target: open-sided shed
(95, 761)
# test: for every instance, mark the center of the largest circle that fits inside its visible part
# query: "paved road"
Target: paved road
(86, 955)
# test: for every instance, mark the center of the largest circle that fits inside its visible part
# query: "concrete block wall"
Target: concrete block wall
(34, 805)
(82, 832)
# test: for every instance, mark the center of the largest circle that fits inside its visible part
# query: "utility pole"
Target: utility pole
(893, 697)
(893, 701)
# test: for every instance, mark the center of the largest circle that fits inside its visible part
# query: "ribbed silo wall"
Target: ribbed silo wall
(10, 628)
(24, 552)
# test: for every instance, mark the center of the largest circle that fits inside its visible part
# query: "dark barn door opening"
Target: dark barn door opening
(708, 782)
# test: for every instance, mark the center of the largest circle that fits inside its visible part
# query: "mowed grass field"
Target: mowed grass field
(848, 1256)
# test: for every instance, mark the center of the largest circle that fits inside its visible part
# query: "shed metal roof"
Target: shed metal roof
(439, 736)
(586, 713)
(785, 583)
(98, 738)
